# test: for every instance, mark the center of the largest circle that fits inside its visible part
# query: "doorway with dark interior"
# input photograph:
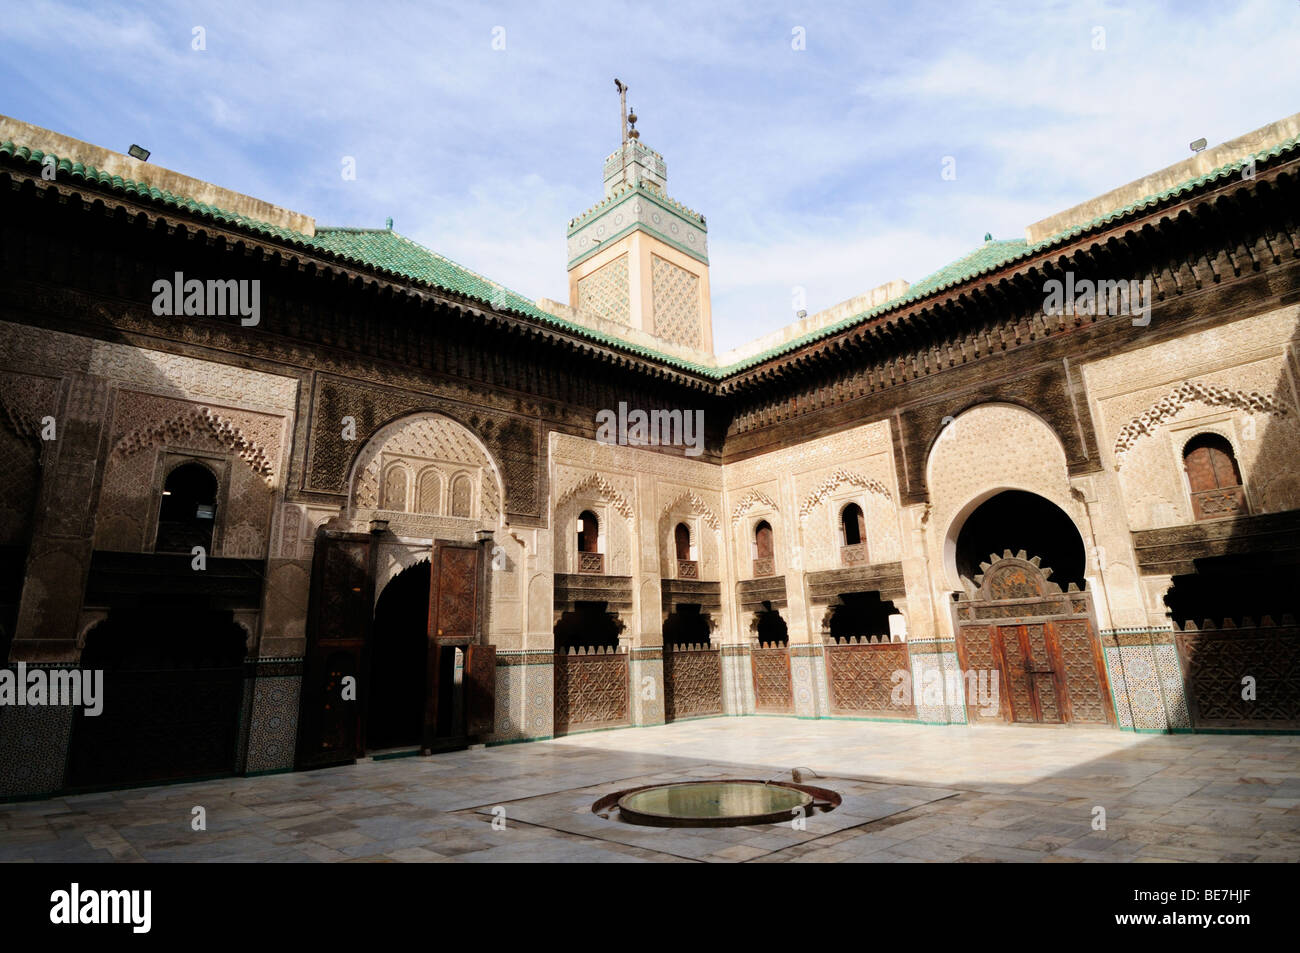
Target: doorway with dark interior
(173, 690)
(398, 649)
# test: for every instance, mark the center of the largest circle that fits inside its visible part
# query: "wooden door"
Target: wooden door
(453, 622)
(338, 619)
(1083, 668)
(453, 601)
(480, 689)
(1033, 673)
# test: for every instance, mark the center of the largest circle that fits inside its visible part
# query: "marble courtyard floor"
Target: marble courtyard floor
(911, 793)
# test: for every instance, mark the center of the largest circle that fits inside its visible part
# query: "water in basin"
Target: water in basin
(715, 799)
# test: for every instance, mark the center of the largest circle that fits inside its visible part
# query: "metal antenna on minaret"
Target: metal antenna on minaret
(622, 102)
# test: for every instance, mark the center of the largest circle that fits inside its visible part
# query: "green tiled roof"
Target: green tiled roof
(385, 250)
(380, 249)
(995, 254)
(988, 256)
(88, 173)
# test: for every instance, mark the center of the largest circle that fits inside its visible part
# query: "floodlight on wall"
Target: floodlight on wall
(1197, 146)
(138, 152)
(379, 526)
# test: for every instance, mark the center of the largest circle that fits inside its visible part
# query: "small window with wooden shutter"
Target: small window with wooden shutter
(1213, 478)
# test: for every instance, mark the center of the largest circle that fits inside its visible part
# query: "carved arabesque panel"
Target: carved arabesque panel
(692, 682)
(591, 691)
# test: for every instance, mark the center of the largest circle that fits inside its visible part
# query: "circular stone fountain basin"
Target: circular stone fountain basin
(716, 803)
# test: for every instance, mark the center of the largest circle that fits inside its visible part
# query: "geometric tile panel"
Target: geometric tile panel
(647, 688)
(822, 683)
(1171, 680)
(273, 723)
(927, 671)
(1143, 691)
(802, 676)
(953, 708)
(33, 748)
(1119, 689)
(956, 707)
(524, 701)
(737, 681)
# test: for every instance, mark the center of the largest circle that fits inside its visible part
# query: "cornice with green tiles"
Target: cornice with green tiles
(629, 191)
(426, 267)
(642, 227)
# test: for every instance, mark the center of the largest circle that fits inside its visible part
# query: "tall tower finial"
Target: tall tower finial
(622, 103)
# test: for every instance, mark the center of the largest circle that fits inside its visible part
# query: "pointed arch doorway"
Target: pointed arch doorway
(397, 646)
(1026, 638)
(413, 672)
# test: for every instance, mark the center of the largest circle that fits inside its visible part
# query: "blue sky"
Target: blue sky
(816, 168)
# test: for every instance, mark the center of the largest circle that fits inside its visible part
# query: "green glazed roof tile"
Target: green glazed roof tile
(995, 254)
(385, 250)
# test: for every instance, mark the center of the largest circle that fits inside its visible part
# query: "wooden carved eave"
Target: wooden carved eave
(321, 263)
(1190, 226)
(1184, 244)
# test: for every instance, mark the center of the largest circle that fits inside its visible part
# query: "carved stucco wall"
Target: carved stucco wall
(801, 491)
(823, 495)
(676, 303)
(699, 511)
(610, 497)
(994, 447)
(604, 293)
(750, 507)
(123, 413)
(1236, 380)
(636, 494)
(991, 447)
(409, 472)
(25, 400)
(151, 435)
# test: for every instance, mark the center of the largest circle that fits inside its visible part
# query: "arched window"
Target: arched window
(590, 559)
(764, 564)
(428, 491)
(682, 537)
(687, 568)
(853, 525)
(853, 535)
(188, 511)
(1213, 477)
(395, 489)
(588, 533)
(460, 496)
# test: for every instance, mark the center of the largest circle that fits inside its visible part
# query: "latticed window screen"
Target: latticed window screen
(426, 497)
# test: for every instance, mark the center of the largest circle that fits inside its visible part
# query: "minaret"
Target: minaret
(638, 258)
